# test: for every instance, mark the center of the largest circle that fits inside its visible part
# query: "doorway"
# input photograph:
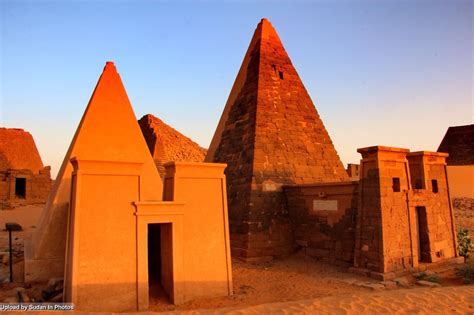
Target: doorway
(20, 188)
(160, 269)
(423, 236)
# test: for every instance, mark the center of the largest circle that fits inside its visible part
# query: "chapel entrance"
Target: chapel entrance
(160, 269)
(423, 236)
(20, 188)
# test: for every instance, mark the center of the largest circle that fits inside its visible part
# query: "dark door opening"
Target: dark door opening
(423, 236)
(160, 278)
(20, 188)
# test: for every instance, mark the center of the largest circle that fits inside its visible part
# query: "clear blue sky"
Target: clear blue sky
(395, 73)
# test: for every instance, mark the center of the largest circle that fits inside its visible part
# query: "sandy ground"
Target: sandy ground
(444, 300)
(294, 285)
(293, 278)
(27, 217)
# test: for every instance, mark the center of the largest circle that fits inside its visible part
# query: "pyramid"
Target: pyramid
(270, 135)
(18, 151)
(167, 144)
(108, 131)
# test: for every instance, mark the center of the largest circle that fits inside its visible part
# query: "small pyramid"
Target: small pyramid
(166, 144)
(18, 151)
(108, 131)
(269, 134)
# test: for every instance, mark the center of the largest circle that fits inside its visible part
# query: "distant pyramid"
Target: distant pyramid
(167, 144)
(269, 134)
(108, 131)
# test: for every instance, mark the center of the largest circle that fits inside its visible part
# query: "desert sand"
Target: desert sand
(444, 300)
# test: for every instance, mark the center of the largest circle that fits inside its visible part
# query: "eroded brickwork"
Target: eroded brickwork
(399, 227)
(270, 135)
(323, 219)
(167, 144)
(382, 223)
(459, 143)
(23, 179)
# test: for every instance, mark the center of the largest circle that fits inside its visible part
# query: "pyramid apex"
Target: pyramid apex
(110, 65)
(266, 29)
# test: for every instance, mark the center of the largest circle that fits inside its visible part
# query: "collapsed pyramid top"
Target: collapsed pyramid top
(167, 144)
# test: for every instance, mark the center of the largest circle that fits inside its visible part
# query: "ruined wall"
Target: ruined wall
(36, 190)
(323, 218)
(19, 158)
(353, 171)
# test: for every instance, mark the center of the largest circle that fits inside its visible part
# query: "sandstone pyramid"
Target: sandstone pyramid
(18, 151)
(108, 131)
(167, 144)
(269, 134)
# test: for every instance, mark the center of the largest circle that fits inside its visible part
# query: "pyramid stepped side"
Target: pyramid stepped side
(166, 144)
(18, 151)
(459, 143)
(270, 134)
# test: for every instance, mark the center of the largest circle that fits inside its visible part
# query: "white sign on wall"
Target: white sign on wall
(324, 205)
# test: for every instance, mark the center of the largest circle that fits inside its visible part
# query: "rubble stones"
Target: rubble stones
(402, 281)
(21, 295)
(53, 292)
(428, 284)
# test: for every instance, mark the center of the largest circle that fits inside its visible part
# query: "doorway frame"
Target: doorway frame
(24, 180)
(161, 248)
(159, 212)
(427, 257)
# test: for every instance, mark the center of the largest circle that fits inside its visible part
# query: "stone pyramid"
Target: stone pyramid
(270, 135)
(108, 131)
(166, 144)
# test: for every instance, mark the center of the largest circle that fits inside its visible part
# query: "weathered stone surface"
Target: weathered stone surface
(389, 284)
(323, 219)
(428, 284)
(404, 214)
(402, 281)
(459, 143)
(53, 282)
(21, 165)
(167, 144)
(270, 135)
(371, 286)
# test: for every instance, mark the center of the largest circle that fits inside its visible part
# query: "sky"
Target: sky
(394, 73)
